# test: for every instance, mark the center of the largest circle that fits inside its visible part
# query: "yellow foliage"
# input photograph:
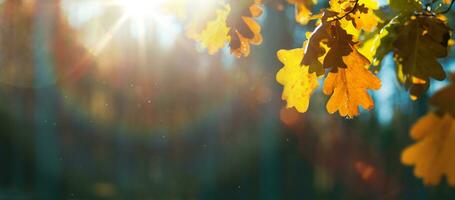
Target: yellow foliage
(370, 47)
(366, 19)
(298, 83)
(244, 30)
(302, 10)
(349, 86)
(361, 15)
(215, 35)
(231, 23)
(432, 155)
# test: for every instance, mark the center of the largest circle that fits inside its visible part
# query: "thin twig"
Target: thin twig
(352, 10)
(448, 9)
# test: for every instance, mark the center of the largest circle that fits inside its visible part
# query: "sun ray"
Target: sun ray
(108, 36)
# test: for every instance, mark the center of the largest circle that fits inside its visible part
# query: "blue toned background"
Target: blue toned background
(95, 105)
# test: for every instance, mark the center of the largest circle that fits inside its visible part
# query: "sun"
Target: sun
(141, 9)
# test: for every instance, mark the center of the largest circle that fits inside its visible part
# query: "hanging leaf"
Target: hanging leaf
(244, 30)
(443, 100)
(421, 41)
(349, 79)
(360, 13)
(349, 87)
(329, 40)
(215, 35)
(405, 6)
(303, 10)
(432, 155)
(381, 44)
(298, 83)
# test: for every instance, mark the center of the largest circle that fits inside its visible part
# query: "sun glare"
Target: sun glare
(143, 19)
(141, 9)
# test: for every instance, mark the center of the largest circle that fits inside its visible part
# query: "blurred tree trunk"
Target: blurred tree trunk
(271, 168)
(47, 155)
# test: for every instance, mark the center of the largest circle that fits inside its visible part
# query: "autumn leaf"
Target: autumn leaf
(207, 26)
(360, 13)
(363, 17)
(432, 155)
(381, 44)
(215, 35)
(349, 79)
(349, 87)
(443, 99)
(244, 30)
(339, 45)
(298, 83)
(231, 23)
(421, 41)
(330, 41)
(316, 46)
(405, 6)
(303, 10)
(335, 36)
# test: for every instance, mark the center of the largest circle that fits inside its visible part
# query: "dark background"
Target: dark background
(163, 120)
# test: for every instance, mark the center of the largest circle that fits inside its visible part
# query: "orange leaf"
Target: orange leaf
(349, 86)
(432, 154)
(244, 30)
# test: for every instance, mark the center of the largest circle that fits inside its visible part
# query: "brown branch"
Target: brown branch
(448, 9)
(352, 10)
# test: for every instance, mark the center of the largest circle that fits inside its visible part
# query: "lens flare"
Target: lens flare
(141, 9)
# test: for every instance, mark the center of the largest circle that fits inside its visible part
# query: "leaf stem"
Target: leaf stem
(448, 9)
(352, 10)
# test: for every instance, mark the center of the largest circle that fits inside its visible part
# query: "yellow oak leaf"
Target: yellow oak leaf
(244, 30)
(197, 20)
(360, 13)
(215, 35)
(349, 86)
(298, 83)
(341, 6)
(364, 17)
(443, 99)
(432, 154)
(233, 23)
(302, 10)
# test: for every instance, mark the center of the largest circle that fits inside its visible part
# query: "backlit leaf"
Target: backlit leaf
(328, 35)
(405, 6)
(349, 87)
(363, 17)
(215, 35)
(298, 83)
(432, 154)
(444, 99)
(303, 10)
(420, 42)
(244, 30)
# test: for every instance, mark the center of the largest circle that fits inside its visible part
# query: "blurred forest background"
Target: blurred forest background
(91, 108)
